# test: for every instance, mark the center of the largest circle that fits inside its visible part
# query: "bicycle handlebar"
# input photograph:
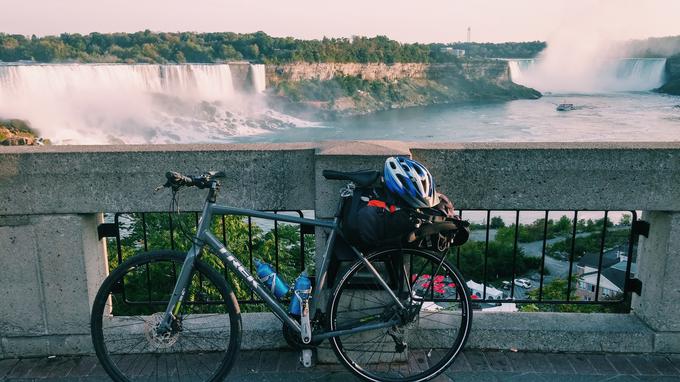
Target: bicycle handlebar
(177, 180)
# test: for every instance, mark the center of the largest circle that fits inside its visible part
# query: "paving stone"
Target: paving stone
(288, 361)
(560, 363)
(247, 362)
(621, 364)
(520, 362)
(675, 361)
(21, 369)
(642, 365)
(663, 365)
(540, 363)
(6, 365)
(477, 360)
(498, 361)
(460, 364)
(62, 366)
(83, 366)
(41, 368)
(269, 360)
(601, 364)
(580, 363)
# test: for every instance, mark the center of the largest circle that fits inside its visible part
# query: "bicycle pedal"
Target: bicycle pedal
(306, 357)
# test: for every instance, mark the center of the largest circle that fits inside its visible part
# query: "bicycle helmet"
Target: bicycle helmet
(411, 181)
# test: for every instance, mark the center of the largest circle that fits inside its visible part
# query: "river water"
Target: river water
(615, 116)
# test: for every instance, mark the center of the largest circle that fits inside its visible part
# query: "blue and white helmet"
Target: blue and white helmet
(411, 181)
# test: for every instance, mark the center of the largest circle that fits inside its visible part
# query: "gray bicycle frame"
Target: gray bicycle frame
(205, 237)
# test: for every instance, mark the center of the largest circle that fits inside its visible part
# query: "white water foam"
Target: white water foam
(110, 103)
(601, 76)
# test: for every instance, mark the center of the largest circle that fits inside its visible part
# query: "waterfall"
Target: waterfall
(628, 74)
(139, 103)
(257, 77)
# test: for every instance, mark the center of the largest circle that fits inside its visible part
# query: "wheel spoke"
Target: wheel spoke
(406, 350)
(202, 342)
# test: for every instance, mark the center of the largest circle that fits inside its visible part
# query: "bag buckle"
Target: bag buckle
(348, 190)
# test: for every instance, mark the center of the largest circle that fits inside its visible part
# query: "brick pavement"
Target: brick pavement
(472, 365)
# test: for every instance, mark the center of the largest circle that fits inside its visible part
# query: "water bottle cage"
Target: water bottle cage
(266, 279)
(303, 294)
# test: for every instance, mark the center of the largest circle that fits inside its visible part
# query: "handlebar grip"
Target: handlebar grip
(176, 179)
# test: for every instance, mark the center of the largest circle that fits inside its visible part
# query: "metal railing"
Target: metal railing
(572, 278)
(117, 231)
(514, 294)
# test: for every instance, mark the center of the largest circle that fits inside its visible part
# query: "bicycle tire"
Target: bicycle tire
(185, 352)
(417, 351)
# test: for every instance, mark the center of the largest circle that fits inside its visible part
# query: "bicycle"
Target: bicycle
(396, 314)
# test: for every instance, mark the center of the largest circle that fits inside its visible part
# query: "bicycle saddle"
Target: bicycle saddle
(361, 178)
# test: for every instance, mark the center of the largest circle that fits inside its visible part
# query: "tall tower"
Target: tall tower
(468, 40)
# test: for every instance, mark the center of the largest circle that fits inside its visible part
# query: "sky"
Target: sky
(402, 20)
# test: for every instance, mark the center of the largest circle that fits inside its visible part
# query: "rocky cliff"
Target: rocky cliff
(15, 132)
(341, 89)
(672, 86)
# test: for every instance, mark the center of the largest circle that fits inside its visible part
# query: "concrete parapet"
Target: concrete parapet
(659, 267)
(50, 270)
(51, 261)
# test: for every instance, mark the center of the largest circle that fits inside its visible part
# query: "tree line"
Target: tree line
(161, 47)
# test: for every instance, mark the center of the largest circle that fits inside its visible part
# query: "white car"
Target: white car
(524, 283)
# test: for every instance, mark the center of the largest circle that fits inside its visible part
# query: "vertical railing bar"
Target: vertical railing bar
(486, 253)
(599, 264)
(302, 244)
(571, 255)
(545, 239)
(250, 251)
(631, 244)
(458, 247)
(172, 231)
(276, 245)
(172, 245)
(148, 274)
(514, 256)
(200, 275)
(224, 230)
(119, 248)
(146, 248)
(224, 240)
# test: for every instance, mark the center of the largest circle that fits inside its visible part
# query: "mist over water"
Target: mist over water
(99, 104)
(554, 75)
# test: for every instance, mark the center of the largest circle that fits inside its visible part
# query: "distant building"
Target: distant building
(478, 291)
(452, 51)
(612, 277)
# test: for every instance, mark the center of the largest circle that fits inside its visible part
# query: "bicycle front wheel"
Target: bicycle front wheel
(431, 330)
(205, 334)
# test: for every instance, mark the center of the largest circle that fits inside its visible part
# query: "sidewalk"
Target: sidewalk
(476, 366)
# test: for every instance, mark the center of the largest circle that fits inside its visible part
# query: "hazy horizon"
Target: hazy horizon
(436, 21)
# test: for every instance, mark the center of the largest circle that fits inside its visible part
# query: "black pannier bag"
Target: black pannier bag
(371, 219)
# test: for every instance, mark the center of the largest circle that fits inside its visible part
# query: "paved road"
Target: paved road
(473, 365)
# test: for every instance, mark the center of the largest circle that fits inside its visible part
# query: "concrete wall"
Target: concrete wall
(51, 262)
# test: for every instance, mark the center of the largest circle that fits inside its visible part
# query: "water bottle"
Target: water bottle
(274, 282)
(303, 285)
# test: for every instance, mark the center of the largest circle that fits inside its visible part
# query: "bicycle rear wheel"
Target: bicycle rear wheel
(427, 339)
(205, 335)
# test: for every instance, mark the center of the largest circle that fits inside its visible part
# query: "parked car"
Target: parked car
(506, 285)
(524, 283)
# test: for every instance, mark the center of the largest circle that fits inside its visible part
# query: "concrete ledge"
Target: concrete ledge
(550, 332)
(568, 332)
